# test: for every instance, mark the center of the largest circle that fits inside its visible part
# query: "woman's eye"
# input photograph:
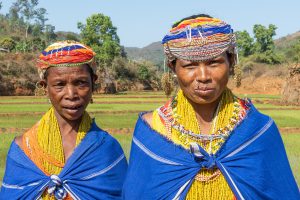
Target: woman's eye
(59, 84)
(190, 65)
(213, 62)
(82, 83)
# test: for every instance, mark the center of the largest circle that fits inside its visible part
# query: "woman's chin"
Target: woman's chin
(205, 98)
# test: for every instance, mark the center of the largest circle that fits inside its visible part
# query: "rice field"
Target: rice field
(118, 114)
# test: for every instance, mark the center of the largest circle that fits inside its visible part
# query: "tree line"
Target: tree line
(24, 29)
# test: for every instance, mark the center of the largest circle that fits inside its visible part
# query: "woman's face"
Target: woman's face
(70, 90)
(203, 82)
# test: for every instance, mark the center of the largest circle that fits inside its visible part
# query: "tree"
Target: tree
(264, 37)
(0, 5)
(245, 43)
(100, 34)
(41, 17)
(144, 73)
(71, 36)
(13, 16)
(28, 10)
(265, 45)
(49, 33)
(295, 49)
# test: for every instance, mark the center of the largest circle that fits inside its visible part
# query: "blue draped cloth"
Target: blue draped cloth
(96, 170)
(252, 160)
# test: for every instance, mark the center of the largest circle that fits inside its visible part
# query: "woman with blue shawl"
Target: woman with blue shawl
(206, 143)
(65, 155)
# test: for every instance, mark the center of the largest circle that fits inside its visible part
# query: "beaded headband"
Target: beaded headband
(199, 39)
(66, 54)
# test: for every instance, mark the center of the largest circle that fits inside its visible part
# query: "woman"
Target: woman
(205, 143)
(65, 155)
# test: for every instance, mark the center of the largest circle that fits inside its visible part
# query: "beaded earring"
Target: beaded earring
(39, 90)
(237, 75)
(167, 81)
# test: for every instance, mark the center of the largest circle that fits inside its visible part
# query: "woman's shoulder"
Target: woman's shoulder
(18, 140)
(147, 117)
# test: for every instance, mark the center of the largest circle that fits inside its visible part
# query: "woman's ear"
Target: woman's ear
(95, 77)
(43, 83)
(172, 65)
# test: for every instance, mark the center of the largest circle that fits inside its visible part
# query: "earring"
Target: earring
(167, 83)
(39, 90)
(237, 75)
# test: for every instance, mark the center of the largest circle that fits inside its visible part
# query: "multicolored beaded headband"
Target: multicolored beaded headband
(65, 54)
(199, 39)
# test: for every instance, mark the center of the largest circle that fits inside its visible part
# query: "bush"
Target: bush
(38, 44)
(23, 46)
(122, 69)
(8, 43)
(269, 57)
(144, 73)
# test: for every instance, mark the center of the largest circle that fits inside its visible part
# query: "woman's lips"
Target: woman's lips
(72, 109)
(204, 91)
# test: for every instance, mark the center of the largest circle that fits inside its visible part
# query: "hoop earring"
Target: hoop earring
(39, 90)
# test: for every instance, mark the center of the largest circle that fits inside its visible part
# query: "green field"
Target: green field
(119, 112)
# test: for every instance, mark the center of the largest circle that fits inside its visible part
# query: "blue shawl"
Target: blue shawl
(253, 161)
(95, 170)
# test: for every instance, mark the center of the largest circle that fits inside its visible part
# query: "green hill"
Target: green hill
(153, 52)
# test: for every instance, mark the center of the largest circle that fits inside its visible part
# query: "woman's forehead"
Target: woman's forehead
(75, 70)
(223, 55)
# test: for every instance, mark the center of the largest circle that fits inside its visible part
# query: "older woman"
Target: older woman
(205, 143)
(65, 155)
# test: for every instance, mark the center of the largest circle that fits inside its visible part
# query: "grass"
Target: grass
(271, 106)
(122, 107)
(96, 98)
(291, 143)
(5, 142)
(125, 142)
(19, 108)
(19, 121)
(259, 96)
(285, 118)
(116, 120)
(125, 120)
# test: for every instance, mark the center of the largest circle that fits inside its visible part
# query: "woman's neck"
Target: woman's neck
(205, 114)
(67, 126)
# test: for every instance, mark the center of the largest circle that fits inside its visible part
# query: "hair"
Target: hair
(46, 73)
(191, 17)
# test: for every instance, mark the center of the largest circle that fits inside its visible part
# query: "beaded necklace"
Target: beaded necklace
(180, 116)
(43, 143)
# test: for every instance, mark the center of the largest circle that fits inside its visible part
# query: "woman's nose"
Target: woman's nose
(71, 92)
(202, 74)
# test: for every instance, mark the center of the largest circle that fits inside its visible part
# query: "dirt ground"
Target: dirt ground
(261, 85)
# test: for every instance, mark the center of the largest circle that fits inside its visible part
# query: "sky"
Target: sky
(139, 23)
